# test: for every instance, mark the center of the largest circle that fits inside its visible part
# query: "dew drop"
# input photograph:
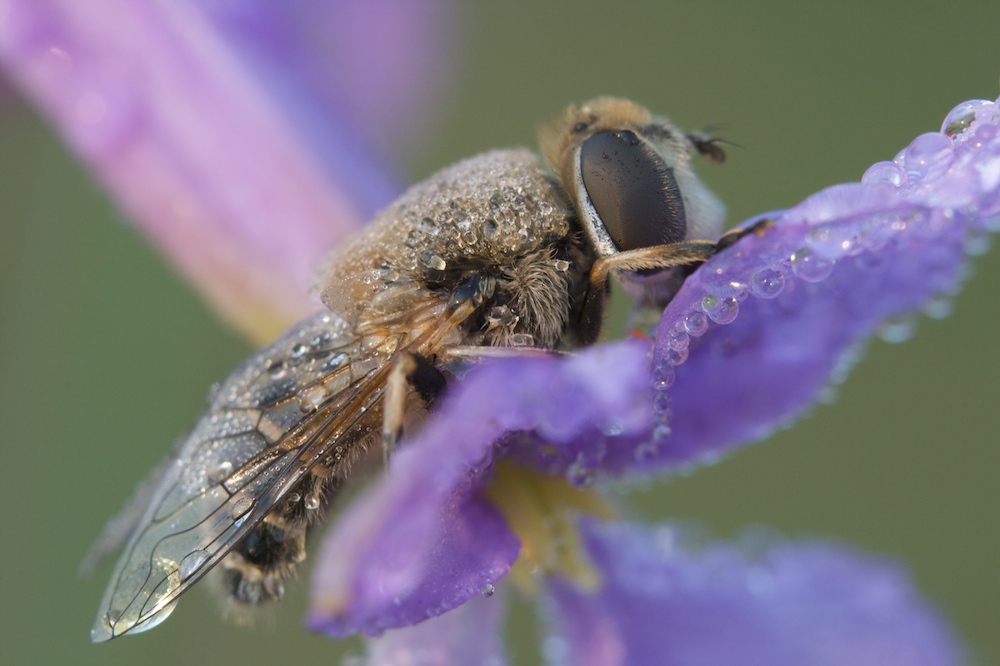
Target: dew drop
(299, 350)
(521, 340)
(163, 569)
(312, 398)
(663, 377)
(724, 312)
(961, 117)
(830, 243)
(336, 360)
(678, 340)
(191, 563)
(678, 356)
(277, 370)
(938, 307)
(433, 261)
(220, 472)
(807, 265)
(768, 283)
(646, 451)
(662, 406)
(241, 507)
(928, 154)
(312, 501)
(489, 590)
(579, 475)
(978, 242)
(661, 433)
(985, 134)
(696, 324)
(888, 173)
(898, 329)
(561, 265)
(613, 428)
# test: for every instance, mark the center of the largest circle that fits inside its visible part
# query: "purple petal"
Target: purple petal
(210, 151)
(436, 557)
(421, 542)
(375, 65)
(804, 604)
(472, 634)
(756, 334)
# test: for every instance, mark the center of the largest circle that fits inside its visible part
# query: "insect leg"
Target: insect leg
(731, 237)
(409, 370)
(646, 258)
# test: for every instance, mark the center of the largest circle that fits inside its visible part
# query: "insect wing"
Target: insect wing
(258, 437)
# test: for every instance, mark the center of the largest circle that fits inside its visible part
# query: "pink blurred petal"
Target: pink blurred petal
(199, 155)
(377, 64)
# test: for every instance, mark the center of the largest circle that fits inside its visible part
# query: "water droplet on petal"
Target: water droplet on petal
(898, 329)
(646, 451)
(663, 377)
(768, 283)
(809, 266)
(985, 134)
(961, 117)
(928, 154)
(829, 242)
(938, 307)
(696, 324)
(489, 590)
(661, 433)
(613, 428)
(662, 406)
(888, 173)
(678, 356)
(978, 242)
(579, 475)
(678, 340)
(725, 311)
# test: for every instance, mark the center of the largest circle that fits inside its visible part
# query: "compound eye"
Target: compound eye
(632, 190)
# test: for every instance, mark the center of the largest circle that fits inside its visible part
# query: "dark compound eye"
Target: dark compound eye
(633, 190)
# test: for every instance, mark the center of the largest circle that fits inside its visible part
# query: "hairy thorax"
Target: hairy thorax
(495, 223)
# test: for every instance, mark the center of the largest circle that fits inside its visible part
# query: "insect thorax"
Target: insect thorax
(496, 223)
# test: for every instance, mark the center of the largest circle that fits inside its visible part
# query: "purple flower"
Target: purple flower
(241, 158)
(752, 339)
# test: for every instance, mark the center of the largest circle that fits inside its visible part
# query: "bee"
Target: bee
(494, 255)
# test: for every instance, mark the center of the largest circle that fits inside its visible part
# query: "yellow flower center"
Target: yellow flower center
(542, 510)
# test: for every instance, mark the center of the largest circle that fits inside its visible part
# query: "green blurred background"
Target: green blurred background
(105, 356)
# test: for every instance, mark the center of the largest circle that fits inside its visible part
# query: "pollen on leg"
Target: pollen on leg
(542, 511)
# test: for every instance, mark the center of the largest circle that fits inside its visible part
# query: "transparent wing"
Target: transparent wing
(266, 425)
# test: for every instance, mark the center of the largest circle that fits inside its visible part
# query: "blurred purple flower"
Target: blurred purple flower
(226, 139)
(237, 135)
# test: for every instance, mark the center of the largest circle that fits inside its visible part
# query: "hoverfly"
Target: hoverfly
(496, 252)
